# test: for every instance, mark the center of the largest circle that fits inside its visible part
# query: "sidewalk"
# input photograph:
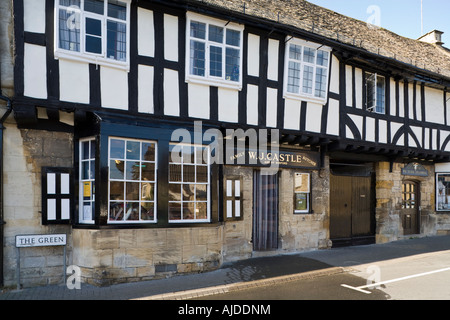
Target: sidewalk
(242, 274)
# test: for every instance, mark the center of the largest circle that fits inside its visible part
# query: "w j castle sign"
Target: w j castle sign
(278, 158)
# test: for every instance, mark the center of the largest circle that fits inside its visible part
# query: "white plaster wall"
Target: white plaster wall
(146, 33)
(171, 93)
(370, 129)
(401, 95)
(313, 117)
(334, 78)
(34, 16)
(359, 88)
(35, 71)
(419, 102)
(198, 101)
(228, 105)
(272, 71)
(145, 89)
(292, 114)
(349, 86)
(74, 81)
(434, 105)
(333, 117)
(382, 131)
(171, 37)
(272, 107)
(253, 55)
(252, 104)
(393, 102)
(114, 88)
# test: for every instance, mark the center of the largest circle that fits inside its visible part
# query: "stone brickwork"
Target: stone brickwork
(297, 232)
(114, 256)
(389, 203)
(25, 152)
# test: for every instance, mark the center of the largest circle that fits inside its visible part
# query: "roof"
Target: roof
(306, 16)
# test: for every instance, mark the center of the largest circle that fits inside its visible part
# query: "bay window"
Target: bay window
(93, 31)
(307, 69)
(87, 181)
(132, 181)
(189, 183)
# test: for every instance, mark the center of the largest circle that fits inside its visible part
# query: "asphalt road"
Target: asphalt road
(422, 276)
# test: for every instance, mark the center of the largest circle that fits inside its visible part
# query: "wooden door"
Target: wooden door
(351, 210)
(410, 208)
(340, 207)
(265, 211)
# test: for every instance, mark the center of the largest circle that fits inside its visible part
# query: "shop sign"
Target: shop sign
(279, 158)
(415, 169)
(43, 240)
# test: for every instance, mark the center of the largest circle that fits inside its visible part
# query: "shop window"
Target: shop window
(189, 183)
(93, 31)
(87, 181)
(233, 198)
(132, 181)
(443, 192)
(57, 194)
(302, 193)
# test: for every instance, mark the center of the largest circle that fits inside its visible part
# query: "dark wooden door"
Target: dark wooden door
(265, 211)
(351, 209)
(410, 208)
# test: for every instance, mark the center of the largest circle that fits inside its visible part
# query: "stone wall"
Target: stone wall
(389, 203)
(114, 256)
(25, 152)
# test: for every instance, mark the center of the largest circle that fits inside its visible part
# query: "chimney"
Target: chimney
(433, 37)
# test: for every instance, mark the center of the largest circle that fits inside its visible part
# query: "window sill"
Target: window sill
(292, 96)
(79, 57)
(216, 83)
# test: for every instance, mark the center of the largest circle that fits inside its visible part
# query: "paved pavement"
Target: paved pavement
(239, 275)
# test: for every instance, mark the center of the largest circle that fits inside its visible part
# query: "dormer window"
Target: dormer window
(307, 70)
(94, 31)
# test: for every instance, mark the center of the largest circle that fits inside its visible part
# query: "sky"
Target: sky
(400, 16)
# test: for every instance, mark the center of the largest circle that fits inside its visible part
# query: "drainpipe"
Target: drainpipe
(2, 128)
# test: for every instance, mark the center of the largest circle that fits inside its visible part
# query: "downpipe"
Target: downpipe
(2, 222)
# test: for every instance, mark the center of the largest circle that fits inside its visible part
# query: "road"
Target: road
(417, 277)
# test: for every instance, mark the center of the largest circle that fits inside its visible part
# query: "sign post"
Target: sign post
(43, 240)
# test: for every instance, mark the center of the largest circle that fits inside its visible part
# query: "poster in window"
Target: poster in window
(301, 202)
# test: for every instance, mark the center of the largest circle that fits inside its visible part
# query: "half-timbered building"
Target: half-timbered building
(132, 122)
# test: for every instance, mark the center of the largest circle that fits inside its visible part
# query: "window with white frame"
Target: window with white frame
(93, 30)
(375, 93)
(87, 181)
(214, 51)
(307, 71)
(132, 181)
(189, 183)
(302, 191)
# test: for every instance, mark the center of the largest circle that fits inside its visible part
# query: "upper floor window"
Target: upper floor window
(93, 31)
(375, 93)
(307, 66)
(214, 52)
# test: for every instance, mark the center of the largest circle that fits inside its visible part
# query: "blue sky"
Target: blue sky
(400, 16)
